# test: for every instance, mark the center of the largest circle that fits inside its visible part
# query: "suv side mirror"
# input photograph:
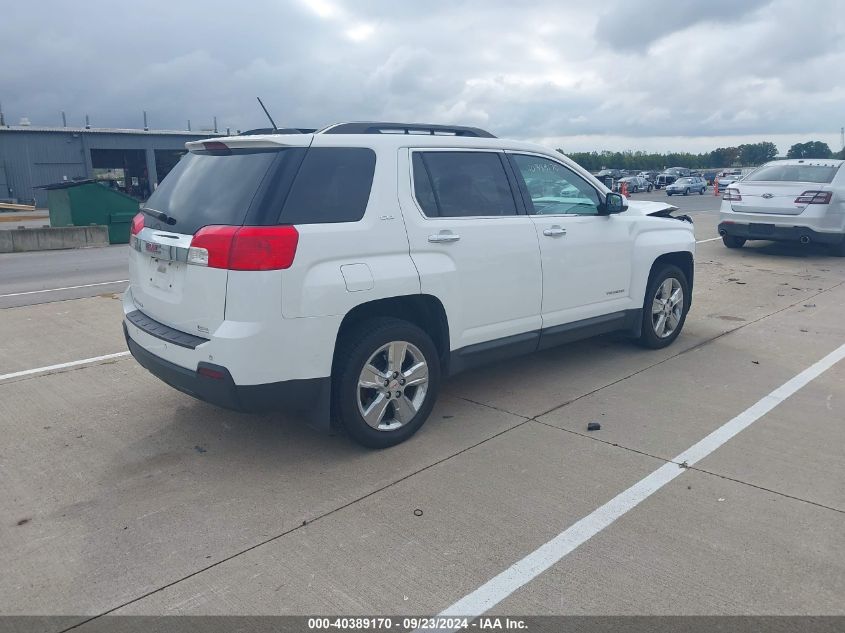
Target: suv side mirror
(613, 203)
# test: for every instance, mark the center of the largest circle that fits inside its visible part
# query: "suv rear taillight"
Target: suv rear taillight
(244, 247)
(135, 228)
(814, 197)
(731, 194)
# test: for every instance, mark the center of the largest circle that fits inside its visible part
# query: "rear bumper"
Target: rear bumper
(763, 231)
(310, 397)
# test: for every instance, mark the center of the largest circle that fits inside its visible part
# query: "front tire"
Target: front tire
(686, 192)
(701, 193)
(665, 307)
(732, 241)
(385, 381)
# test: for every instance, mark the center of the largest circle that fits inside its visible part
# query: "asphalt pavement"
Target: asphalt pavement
(47, 276)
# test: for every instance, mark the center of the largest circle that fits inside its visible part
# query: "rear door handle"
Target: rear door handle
(554, 231)
(443, 237)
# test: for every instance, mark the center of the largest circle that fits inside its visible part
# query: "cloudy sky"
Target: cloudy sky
(628, 74)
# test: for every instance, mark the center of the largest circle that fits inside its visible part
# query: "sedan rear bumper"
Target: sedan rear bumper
(762, 231)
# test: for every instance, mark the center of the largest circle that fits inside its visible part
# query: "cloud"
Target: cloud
(634, 25)
(635, 73)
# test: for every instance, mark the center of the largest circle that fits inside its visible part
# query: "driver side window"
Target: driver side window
(554, 189)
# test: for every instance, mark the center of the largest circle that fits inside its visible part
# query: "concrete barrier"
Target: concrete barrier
(53, 238)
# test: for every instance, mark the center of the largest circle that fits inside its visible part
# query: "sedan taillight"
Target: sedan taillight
(731, 194)
(814, 197)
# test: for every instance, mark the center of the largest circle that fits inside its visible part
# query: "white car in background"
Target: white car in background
(798, 200)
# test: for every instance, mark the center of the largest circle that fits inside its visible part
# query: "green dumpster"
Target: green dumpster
(86, 202)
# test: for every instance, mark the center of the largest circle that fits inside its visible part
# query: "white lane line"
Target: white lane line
(500, 587)
(35, 292)
(712, 239)
(74, 363)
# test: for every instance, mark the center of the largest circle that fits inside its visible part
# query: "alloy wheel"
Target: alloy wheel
(667, 307)
(392, 385)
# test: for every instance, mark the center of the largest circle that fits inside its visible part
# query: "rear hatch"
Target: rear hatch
(213, 187)
(780, 188)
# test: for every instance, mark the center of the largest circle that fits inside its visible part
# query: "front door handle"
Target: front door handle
(554, 231)
(438, 238)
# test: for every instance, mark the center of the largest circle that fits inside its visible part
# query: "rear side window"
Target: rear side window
(793, 173)
(333, 185)
(462, 184)
(207, 189)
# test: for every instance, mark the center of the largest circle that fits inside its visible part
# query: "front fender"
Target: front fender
(654, 242)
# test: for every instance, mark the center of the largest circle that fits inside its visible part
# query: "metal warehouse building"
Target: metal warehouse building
(133, 161)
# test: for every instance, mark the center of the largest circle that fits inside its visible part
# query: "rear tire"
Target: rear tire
(664, 311)
(838, 250)
(686, 192)
(732, 241)
(701, 193)
(397, 352)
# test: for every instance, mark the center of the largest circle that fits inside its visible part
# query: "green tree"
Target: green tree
(753, 154)
(810, 149)
(723, 157)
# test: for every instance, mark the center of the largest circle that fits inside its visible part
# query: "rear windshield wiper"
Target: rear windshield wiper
(159, 215)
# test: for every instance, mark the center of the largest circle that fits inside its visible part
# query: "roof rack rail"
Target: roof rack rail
(375, 127)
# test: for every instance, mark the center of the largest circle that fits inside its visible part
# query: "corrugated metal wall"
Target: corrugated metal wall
(34, 158)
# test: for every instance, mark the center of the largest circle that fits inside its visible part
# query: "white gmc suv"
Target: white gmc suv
(343, 274)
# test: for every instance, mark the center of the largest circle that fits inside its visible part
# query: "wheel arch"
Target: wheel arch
(681, 259)
(424, 311)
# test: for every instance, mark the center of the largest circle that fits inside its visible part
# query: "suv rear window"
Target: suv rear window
(333, 185)
(205, 189)
(793, 173)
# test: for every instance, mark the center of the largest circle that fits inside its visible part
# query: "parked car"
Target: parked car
(612, 173)
(685, 186)
(799, 200)
(649, 175)
(678, 171)
(725, 181)
(709, 176)
(664, 179)
(346, 274)
(635, 184)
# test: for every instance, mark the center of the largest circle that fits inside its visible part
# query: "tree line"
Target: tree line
(746, 155)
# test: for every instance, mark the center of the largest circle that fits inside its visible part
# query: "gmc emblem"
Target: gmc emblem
(152, 247)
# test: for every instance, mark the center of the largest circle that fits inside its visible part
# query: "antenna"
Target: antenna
(64, 119)
(841, 137)
(272, 122)
(2, 120)
(146, 127)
